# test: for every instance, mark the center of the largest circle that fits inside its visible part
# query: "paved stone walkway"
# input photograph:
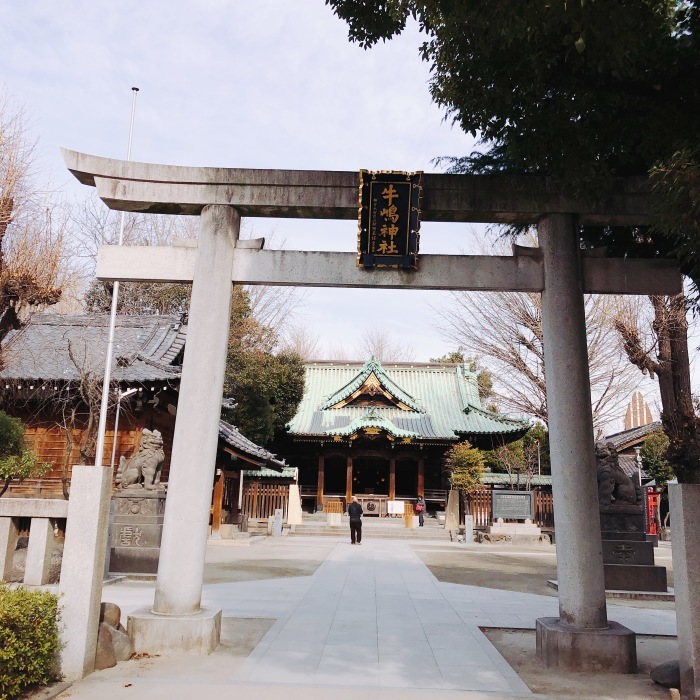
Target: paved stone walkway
(375, 615)
(372, 618)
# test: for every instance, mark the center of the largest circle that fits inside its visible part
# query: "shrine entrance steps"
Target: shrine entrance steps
(376, 528)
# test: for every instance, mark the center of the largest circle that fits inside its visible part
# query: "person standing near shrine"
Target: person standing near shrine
(420, 509)
(355, 513)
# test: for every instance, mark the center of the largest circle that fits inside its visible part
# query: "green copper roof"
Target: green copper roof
(499, 479)
(264, 472)
(372, 366)
(373, 419)
(444, 401)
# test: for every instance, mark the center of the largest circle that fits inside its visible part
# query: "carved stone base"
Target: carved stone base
(136, 531)
(648, 578)
(629, 565)
(628, 552)
(623, 518)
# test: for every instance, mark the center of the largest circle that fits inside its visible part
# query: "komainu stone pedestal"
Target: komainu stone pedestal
(137, 531)
(163, 634)
(627, 555)
(612, 649)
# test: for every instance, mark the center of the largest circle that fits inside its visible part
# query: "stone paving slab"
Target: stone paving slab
(372, 619)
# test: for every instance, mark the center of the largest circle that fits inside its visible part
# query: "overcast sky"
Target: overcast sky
(264, 84)
(253, 84)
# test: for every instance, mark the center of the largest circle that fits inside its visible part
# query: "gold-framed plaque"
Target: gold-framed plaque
(389, 219)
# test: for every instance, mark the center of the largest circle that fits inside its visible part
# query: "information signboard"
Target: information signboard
(512, 505)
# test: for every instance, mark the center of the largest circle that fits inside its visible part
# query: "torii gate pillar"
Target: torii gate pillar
(177, 622)
(581, 637)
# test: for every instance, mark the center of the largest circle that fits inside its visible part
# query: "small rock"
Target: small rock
(111, 614)
(122, 645)
(667, 674)
(104, 656)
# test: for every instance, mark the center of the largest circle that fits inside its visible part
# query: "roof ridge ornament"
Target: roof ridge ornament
(373, 381)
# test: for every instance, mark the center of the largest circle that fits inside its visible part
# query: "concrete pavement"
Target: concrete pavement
(372, 618)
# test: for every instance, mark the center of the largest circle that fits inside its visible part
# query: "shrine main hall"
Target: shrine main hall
(381, 432)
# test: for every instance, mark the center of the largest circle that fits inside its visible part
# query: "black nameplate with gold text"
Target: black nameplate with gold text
(389, 219)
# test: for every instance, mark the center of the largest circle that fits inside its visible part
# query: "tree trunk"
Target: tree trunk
(672, 367)
(6, 485)
(678, 416)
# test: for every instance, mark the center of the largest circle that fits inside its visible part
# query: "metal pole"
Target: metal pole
(102, 426)
(116, 428)
(539, 465)
(120, 395)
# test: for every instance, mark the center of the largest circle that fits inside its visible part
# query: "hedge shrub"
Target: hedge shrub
(29, 641)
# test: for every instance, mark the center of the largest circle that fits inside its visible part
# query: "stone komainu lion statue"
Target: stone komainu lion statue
(614, 486)
(143, 469)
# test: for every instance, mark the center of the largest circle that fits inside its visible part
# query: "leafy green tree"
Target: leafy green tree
(265, 387)
(17, 461)
(583, 92)
(546, 85)
(484, 378)
(653, 455)
(464, 465)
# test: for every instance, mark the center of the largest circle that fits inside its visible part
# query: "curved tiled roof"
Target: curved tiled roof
(145, 348)
(446, 394)
(372, 366)
(633, 435)
(232, 437)
(373, 419)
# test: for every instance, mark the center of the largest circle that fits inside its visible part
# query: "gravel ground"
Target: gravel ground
(516, 568)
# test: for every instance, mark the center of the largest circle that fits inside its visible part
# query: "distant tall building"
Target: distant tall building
(638, 412)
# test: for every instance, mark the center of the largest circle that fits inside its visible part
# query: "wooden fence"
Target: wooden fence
(261, 500)
(480, 503)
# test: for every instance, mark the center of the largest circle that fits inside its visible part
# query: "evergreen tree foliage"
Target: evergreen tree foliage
(265, 387)
(654, 460)
(464, 465)
(17, 460)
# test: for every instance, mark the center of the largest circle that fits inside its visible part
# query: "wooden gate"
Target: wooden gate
(261, 500)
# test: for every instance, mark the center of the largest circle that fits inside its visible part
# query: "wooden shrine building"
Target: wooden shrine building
(381, 432)
(53, 361)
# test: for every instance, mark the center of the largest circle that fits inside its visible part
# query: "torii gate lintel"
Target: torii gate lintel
(558, 270)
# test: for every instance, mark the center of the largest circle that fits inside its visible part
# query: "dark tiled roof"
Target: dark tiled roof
(145, 348)
(233, 438)
(634, 435)
(628, 464)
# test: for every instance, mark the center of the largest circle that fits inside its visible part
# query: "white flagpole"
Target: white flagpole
(102, 426)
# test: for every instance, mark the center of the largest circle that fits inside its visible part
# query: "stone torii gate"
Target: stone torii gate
(582, 637)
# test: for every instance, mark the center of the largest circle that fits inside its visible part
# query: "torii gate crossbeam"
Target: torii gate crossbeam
(557, 269)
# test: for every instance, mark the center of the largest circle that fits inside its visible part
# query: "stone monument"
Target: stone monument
(628, 557)
(139, 509)
(513, 506)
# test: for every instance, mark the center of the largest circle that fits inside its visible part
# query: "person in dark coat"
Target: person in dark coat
(420, 509)
(355, 513)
